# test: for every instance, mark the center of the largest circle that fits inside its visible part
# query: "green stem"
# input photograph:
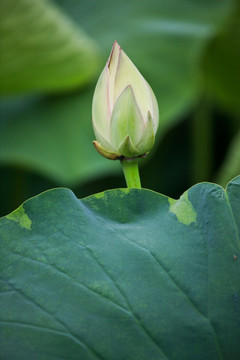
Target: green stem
(131, 173)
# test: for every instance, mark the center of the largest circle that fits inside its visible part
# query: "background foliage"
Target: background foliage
(51, 56)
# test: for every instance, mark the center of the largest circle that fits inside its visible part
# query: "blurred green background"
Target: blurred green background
(51, 54)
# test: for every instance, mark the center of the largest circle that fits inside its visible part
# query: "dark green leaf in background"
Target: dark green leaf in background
(231, 164)
(221, 66)
(45, 135)
(122, 275)
(41, 49)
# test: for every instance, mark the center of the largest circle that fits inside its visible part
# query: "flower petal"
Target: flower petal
(100, 107)
(112, 68)
(128, 74)
(102, 140)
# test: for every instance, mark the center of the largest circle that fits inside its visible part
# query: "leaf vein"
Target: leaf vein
(149, 336)
(181, 291)
(75, 338)
(76, 283)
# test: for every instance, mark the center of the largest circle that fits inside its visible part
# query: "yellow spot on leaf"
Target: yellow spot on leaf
(183, 209)
(103, 193)
(99, 195)
(20, 217)
(126, 190)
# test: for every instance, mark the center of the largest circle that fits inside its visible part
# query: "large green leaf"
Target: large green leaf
(165, 39)
(41, 49)
(124, 274)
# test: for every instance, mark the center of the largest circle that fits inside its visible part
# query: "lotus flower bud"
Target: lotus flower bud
(124, 110)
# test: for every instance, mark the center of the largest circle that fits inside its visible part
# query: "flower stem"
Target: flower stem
(131, 173)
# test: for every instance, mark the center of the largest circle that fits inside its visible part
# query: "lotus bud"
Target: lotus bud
(124, 110)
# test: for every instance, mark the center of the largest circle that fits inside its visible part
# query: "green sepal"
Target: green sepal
(127, 148)
(148, 138)
(126, 119)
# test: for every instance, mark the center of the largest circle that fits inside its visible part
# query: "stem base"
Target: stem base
(131, 173)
